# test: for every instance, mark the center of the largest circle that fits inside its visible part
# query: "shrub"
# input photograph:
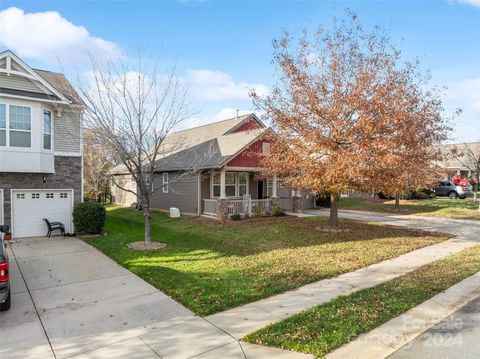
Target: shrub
(89, 217)
(420, 193)
(278, 211)
(409, 195)
(427, 191)
(324, 200)
(235, 217)
(257, 210)
(382, 195)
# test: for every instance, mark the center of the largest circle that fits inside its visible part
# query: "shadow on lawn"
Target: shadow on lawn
(206, 293)
(195, 239)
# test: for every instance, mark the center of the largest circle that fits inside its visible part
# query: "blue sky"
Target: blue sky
(222, 48)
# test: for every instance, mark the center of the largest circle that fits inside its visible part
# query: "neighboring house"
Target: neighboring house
(40, 148)
(464, 162)
(210, 165)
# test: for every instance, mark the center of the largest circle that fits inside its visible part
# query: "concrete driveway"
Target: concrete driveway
(69, 300)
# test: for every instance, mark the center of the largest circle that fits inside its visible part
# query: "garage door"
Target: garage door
(29, 207)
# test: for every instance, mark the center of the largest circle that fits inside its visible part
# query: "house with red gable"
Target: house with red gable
(215, 170)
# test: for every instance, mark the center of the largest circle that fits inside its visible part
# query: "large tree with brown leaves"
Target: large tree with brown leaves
(347, 113)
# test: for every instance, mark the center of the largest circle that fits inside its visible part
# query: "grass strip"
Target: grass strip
(322, 329)
(434, 207)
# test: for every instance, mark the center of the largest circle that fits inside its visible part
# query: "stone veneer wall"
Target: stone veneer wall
(68, 174)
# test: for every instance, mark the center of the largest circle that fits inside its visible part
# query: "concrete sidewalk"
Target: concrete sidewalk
(248, 318)
(69, 300)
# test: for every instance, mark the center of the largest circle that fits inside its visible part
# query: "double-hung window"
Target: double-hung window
(3, 125)
(242, 183)
(47, 130)
(216, 184)
(20, 126)
(236, 184)
(230, 184)
(165, 183)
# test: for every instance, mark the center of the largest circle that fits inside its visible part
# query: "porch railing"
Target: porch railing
(210, 207)
(245, 207)
(238, 206)
(264, 204)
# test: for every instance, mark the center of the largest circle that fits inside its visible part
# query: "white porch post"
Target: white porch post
(274, 186)
(222, 184)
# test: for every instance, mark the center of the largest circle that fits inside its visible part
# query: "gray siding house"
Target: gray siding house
(215, 170)
(40, 147)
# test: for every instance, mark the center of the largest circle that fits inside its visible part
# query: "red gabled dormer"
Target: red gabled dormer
(250, 123)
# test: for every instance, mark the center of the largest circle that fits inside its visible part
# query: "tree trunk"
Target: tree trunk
(475, 189)
(397, 202)
(333, 221)
(148, 223)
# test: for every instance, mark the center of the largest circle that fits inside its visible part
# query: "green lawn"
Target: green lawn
(324, 328)
(211, 267)
(435, 207)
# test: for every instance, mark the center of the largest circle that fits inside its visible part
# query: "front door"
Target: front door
(260, 189)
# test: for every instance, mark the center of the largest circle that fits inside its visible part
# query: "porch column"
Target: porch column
(222, 184)
(274, 186)
(222, 208)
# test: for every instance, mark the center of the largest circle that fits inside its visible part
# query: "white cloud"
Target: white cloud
(208, 85)
(223, 114)
(49, 37)
(228, 112)
(466, 91)
(470, 2)
(465, 95)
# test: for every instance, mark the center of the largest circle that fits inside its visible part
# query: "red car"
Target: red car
(5, 295)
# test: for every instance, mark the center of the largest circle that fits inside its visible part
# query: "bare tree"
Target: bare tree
(131, 109)
(96, 167)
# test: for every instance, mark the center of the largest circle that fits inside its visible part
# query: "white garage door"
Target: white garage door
(29, 207)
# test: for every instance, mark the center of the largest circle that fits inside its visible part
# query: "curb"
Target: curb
(399, 331)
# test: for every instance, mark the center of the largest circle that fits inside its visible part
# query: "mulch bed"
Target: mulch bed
(144, 246)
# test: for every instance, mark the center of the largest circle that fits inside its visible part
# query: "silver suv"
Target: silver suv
(453, 191)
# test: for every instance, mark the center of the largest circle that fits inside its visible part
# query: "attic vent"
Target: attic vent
(265, 148)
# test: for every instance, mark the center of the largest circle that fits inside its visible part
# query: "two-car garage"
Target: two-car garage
(30, 206)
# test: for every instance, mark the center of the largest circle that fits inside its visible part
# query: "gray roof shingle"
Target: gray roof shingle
(207, 146)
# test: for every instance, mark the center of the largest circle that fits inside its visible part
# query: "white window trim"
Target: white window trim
(247, 184)
(165, 183)
(7, 127)
(237, 184)
(51, 130)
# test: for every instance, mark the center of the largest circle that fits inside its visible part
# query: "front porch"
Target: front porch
(243, 191)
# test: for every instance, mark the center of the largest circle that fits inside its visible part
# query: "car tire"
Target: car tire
(453, 195)
(8, 302)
